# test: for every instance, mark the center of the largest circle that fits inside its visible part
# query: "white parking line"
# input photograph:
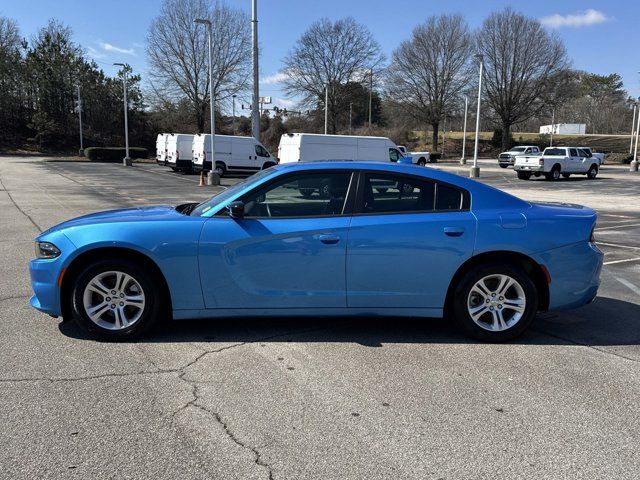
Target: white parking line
(616, 245)
(618, 226)
(628, 284)
(622, 261)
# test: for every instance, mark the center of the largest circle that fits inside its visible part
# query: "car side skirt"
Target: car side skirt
(307, 312)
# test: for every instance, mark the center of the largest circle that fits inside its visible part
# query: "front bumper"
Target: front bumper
(575, 274)
(506, 161)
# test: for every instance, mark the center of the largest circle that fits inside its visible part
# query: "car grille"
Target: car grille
(506, 156)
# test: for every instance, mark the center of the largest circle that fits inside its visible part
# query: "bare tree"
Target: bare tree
(178, 53)
(331, 54)
(430, 71)
(521, 60)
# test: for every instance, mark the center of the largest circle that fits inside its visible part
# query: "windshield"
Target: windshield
(207, 205)
(518, 149)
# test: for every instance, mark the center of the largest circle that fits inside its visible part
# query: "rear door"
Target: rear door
(408, 237)
(574, 163)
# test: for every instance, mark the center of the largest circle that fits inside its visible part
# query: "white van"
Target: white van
(179, 151)
(161, 148)
(306, 147)
(240, 154)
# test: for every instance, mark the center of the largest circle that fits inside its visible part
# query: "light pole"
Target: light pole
(233, 100)
(475, 170)
(350, 114)
(463, 161)
(553, 121)
(126, 161)
(633, 127)
(81, 152)
(326, 108)
(633, 166)
(255, 114)
(370, 94)
(206, 22)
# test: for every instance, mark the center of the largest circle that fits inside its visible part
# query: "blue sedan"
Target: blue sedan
(326, 238)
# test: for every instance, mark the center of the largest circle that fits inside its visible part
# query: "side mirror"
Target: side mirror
(236, 210)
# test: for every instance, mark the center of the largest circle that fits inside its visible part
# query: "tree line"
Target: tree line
(527, 79)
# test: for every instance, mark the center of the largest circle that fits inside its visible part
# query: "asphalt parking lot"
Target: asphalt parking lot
(304, 399)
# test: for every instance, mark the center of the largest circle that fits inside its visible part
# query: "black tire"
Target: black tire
(566, 175)
(220, 169)
(554, 174)
(382, 190)
(593, 172)
(463, 295)
(154, 306)
(306, 192)
(422, 162)
(524, 175)
(504, 165)
(175, 169)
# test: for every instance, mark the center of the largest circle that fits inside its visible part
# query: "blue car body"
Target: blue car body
(378, 264)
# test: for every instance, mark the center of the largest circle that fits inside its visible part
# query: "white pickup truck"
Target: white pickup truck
(591, 153)
(508, 158)
(419, 158)
(555, 162)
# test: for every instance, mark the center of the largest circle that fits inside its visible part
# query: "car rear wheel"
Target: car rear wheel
(220, 169)
(524, 175)
(116, 300)
(593, 172)
(495, 303)
(422, 162)
(554, 174)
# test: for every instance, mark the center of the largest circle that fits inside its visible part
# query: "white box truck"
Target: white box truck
(179, 146)
(240, 154)
(161, 148)
(308, 147)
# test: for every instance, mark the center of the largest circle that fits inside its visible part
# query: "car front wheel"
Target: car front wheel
(495, 303)
(116, 300)
(593, 172)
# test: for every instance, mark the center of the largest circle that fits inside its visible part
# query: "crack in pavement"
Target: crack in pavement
(18, 207)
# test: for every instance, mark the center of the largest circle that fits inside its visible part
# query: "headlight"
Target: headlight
(46, 250)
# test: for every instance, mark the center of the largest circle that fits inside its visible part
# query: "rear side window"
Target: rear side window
(388, 193)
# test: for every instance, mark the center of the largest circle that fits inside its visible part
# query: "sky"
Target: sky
(600, 36)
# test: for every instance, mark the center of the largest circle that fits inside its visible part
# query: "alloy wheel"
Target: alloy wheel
(496, 302)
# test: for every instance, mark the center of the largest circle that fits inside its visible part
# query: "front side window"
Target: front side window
(301, 195)
(261, 151)
(388, 193)
(394, 155)
(573, 152)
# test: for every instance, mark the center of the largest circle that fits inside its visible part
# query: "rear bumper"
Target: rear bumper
(180, 164)
(575, 274)
(528, 168)
(205, 166)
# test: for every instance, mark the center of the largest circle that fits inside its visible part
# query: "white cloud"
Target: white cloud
(93, 53)
(581, 19)
(274, 79)
(284, 102)
(108, 47)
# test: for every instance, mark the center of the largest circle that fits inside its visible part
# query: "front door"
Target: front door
(408, 237)
(287, 252)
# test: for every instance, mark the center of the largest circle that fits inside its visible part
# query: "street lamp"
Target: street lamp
(463, 161)
(633, 166)
(475, 170)
(233, 99)
(633, 127)
(206, 22)
(126, 161)
(81, 152)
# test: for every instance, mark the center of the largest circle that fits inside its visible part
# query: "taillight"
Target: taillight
(541, 161)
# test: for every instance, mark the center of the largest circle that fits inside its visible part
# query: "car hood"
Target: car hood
(152, 213)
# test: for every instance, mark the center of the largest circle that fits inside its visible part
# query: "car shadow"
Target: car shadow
(606, 322)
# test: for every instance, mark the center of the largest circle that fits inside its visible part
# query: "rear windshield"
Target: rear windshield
(555, 151)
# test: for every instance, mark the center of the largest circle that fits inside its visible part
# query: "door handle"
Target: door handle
(329, 239)
(453, 231)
